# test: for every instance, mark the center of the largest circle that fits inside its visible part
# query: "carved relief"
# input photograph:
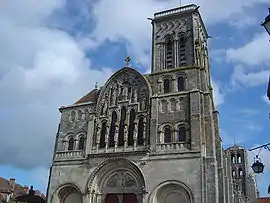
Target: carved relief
(164, 28)
(127, 86)
(121, 179)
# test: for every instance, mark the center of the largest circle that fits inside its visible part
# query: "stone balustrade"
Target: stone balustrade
(75, 154)
(163, 147)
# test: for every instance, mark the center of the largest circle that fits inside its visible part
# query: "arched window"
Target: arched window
(167, 85)
(112, 129)
(239, 160)
(71, 143)
(240, 172)
(164, 106)
(81, 143)
(167, 134)
(180, 83)
(102, 142)
(169, 54)
(173, 104)
(181, 134)
(141, 129)
(131, 127)
(182, 50)
(233, 174)
(122, 127)
(232, 158)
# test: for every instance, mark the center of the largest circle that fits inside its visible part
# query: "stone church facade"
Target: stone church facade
(150, 138)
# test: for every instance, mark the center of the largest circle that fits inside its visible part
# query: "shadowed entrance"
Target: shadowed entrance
(117, 181)
(121, 198)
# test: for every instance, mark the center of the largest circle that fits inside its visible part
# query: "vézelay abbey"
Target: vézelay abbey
(151, 138)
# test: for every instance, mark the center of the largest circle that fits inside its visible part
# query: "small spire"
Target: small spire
(96, 85)
(234, 142)
(127, 60)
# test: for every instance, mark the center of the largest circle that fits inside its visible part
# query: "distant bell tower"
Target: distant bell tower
(179, 39)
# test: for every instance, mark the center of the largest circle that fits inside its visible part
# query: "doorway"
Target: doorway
(121, 198)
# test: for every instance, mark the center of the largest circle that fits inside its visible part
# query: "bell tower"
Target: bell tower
(178, 39)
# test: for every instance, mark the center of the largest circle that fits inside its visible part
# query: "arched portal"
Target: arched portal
(67, 193)
(171, 192)
(117, 181)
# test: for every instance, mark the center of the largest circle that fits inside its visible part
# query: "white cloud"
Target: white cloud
(255, 52)
(218, 95)
(265, 99)
(245, 78)
(40, 69)
(128, 20)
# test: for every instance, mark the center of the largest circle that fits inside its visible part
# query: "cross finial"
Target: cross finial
(127, 60)
(96, 85)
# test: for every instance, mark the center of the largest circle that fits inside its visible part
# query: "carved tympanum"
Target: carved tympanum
(121, 179)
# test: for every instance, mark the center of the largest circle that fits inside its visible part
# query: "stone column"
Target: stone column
(144, 132)
(107, 138)
(125, 136)
(90, 134)
(98, 138)
(116, 137)
(153, 124)
(135, 135)
(210, 160)
(175, 54)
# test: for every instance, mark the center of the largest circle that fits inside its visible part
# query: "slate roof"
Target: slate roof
(262, 200)
(89, 97)
(5, 187)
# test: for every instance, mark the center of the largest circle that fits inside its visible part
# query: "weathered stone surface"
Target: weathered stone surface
(155, 136)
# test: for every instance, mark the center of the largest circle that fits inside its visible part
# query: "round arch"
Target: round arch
(117, 176)
(67, 193)
(171, 191)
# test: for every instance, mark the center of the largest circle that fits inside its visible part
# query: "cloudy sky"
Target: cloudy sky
(52, 52)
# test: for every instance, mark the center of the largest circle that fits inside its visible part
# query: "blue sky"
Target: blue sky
(53, 52)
